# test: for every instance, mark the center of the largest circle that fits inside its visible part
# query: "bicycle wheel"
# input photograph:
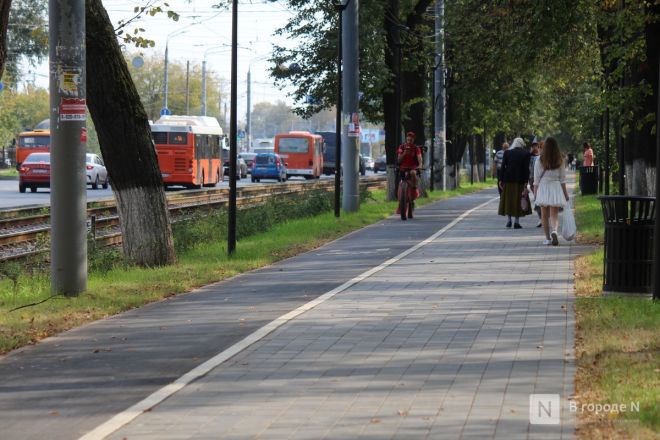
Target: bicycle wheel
(403, 199)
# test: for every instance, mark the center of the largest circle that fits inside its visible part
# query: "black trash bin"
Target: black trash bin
(629, 223)
(588, 180)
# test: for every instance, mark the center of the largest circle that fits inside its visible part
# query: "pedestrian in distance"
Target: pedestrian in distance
(588, 155)
(550, 188)
(515, 177)
(535, 152)
(497, 160)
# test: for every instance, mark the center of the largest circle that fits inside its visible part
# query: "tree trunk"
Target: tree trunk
(480, 157)
(125, 140)
(391, 94)
(5, 5)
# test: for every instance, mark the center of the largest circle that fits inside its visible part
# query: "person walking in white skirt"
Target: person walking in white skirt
(550, 188)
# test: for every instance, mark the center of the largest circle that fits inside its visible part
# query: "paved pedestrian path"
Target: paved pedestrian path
(448, 341)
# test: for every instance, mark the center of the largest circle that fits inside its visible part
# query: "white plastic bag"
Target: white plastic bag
(568, 228)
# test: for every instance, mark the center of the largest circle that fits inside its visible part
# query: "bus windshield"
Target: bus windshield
(293, 145)
(33, 141)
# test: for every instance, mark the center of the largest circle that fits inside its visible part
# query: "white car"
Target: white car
(369, 163)
(96, 172)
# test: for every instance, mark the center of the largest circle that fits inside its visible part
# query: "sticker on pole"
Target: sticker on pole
(83, 134)
(354, 125)
(73, 109)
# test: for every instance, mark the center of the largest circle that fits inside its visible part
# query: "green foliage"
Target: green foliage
(315, 26)
(27, 36)
(201, 228)
(11, 270)
(149, 8)
(21, 111)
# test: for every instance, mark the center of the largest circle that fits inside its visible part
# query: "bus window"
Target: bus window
(177, 138)
(33, 141)
(293, 145)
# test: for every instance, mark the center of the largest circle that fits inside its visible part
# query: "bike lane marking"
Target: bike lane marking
(158, 396)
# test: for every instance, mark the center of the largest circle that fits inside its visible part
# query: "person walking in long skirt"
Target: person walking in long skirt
(550, 188)
(515, 177)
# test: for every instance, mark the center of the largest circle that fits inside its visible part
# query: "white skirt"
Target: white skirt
(550, 194)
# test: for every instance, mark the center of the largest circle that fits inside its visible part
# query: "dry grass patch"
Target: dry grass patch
(617, 346)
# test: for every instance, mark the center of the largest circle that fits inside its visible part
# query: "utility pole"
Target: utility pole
(187, 87)
(440, 99)
(248, 135)
(607, 151)
(68, 215)
(231, 235)
(203, 112)
(340, 10)
(656, 231)
(351, 141)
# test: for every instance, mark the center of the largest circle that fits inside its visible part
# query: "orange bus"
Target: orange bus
(189, 150)
(33, 141)
(303, 153)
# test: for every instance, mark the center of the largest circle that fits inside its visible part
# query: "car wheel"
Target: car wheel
(95, 185)
(253, 179)
(106, 183)
(21, 187)
(33, 189)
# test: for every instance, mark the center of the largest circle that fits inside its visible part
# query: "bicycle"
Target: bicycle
(406, 194)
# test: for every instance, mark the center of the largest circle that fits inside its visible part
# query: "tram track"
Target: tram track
(26, 232)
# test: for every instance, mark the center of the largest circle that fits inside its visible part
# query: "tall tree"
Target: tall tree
(125, 140)
(27, 35)
(4, 22)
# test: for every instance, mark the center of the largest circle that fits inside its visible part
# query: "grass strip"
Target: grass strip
(617, 345)
(8, 173)
(113, 288)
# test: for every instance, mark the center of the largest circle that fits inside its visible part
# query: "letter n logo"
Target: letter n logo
(544, 409)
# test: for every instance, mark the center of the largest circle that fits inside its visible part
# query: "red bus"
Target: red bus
(189, 150)
(303, 153)
(34, 141)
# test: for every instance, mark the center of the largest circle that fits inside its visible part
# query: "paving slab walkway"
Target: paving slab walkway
(448, 341)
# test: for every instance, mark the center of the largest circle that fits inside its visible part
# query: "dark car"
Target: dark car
(380, 164)
(363, 165)
(268, 166)
(34, 172)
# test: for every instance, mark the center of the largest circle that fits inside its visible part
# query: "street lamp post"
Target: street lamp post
(339, 7)
(172, 34)
(209, 51)
(231, 235)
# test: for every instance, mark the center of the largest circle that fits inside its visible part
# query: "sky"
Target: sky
(202, 30)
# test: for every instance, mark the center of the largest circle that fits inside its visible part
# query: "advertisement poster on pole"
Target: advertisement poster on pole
(354, 125)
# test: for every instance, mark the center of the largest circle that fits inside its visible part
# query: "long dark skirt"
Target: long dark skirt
(510, 200)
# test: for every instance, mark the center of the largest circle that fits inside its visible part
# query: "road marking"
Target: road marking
(128, 415)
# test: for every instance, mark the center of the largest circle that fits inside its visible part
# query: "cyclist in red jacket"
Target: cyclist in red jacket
(409, 157)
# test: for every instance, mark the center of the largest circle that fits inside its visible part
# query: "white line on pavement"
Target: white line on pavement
(126, 416)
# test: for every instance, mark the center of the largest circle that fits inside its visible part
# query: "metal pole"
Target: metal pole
(656, 232)
(485, 139)
(231, 236)
(248, 135)
(440, 97)
(432, 151)
(187, 87)
(67, 121)
(165, 75)
(351, 143)
(340, 10)
(203, 113)
(472, 160)
(607, 151)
